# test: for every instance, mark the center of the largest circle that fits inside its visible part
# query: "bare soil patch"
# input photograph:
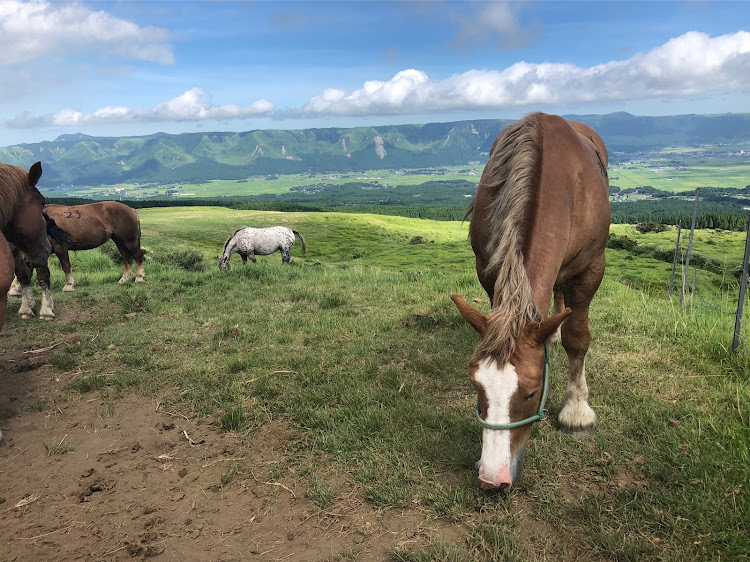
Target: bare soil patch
(96, 479)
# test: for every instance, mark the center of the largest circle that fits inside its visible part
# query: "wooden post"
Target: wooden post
(743, 287)
(674, 260)
(690, 246)
(695, 273)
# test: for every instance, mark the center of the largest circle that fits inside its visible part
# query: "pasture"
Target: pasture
(323, 410)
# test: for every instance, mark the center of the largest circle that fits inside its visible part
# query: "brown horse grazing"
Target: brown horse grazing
(22, 223)
(539, 225)
(90, 226)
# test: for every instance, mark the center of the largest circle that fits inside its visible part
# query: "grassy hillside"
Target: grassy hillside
(358, 347)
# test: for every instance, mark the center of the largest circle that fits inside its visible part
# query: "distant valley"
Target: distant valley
(80, 160)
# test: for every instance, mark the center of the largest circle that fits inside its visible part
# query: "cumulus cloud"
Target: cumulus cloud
(32, 30)
(193, 105)
(691, 64)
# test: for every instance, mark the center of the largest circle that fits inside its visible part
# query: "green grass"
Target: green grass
(384, 406)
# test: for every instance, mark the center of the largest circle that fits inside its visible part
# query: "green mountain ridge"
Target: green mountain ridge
(78, 159)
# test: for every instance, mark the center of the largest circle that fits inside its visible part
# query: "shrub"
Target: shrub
(644, 227)
(187, 259)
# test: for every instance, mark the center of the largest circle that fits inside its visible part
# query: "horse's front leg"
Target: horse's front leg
(577, 416)
(24, 274)
(46, 311)
(559, 307)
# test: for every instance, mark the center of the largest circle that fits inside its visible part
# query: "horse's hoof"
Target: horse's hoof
(47, 317)
(68, 289)
(140, 279)
(26, 316)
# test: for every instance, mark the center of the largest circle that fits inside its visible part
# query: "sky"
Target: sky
(122, 68)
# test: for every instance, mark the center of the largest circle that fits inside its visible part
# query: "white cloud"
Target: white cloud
(37, 29)
(691, 64)
(498, 21)
(193, 105)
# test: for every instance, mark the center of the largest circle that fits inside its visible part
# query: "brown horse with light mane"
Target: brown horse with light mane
(539, 225)
(22, 223)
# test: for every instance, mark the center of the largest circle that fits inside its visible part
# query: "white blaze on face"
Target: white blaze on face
(499, 386)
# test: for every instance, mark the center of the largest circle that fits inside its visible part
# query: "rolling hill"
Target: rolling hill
(77, 159)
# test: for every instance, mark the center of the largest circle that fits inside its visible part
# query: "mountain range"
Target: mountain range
(77, 159)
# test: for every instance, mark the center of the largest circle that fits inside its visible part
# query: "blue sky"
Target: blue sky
(139, 67)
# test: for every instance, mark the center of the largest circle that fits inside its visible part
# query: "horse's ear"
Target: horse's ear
(35, 172)
(542, 331)
(476, 319)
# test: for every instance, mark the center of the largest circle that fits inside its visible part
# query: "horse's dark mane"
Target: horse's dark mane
(12, 180)
(510, 173)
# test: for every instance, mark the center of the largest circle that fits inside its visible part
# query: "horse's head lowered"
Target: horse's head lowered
(510, 395)
(27, 228)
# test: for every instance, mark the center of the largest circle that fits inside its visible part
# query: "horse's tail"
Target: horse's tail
(57, 234)
(301, 239)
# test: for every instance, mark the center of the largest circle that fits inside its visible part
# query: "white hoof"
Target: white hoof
(68, 288)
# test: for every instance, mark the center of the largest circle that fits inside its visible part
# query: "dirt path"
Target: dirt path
(94, 479)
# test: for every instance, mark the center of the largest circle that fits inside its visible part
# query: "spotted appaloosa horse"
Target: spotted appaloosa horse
(249, 242)
(539, 225)
(22, 223)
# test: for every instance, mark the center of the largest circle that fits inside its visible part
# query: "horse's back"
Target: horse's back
(92, 224)
(566, 202)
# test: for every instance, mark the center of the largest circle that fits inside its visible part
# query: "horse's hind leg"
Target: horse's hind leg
(140, 274)
(127, 258)
(576, 415)
(285, 257)
(15, 288)
(64, 258)
(46, 311)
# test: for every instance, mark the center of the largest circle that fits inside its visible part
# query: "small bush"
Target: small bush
(621, 243)
(417, 240)
(644, 227)
(187, 259)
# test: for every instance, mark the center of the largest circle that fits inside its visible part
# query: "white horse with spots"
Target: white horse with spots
(249, 242)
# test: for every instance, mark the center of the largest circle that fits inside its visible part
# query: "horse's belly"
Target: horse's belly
(265, 247)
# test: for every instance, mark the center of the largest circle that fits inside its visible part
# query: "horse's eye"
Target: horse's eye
(530, 396)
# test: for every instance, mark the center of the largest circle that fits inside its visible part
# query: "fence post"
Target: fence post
(686, 271)
(743, 287)
(674, 260)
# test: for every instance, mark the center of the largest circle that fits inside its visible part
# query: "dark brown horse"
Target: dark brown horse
(90, 226)
(539, 225)
(22, 223)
